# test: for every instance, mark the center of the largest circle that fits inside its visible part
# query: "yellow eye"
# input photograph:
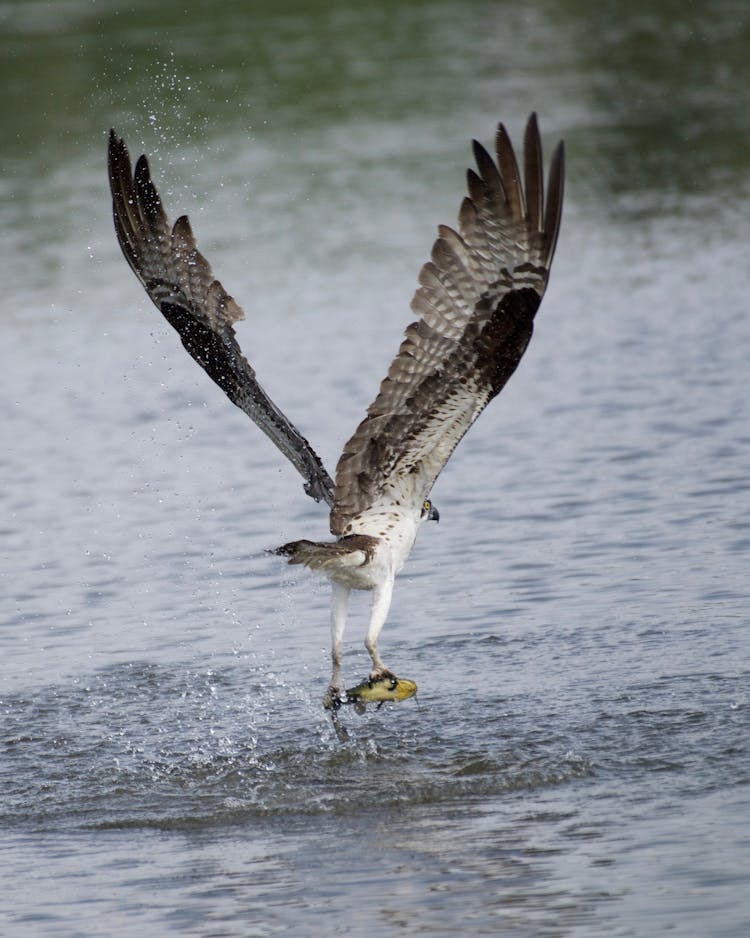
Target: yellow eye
(429, 511)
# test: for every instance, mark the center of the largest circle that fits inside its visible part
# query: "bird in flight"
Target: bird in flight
(476, 302)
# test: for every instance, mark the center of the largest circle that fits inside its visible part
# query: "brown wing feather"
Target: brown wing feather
(477, 299)
(179, 280)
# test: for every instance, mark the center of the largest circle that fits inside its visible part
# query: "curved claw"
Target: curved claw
(382, 674)
(333, 698)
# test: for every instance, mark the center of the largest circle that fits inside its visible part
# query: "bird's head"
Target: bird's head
(429, 511)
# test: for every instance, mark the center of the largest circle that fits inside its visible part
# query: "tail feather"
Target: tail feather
(330, 556)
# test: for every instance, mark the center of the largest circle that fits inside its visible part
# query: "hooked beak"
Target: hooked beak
(434, 514)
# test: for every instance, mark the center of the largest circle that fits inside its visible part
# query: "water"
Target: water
(577, 762)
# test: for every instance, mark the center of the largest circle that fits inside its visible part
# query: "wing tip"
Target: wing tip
(555, 196)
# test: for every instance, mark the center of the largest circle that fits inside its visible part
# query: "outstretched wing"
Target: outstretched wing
(179, 280)
(477, 300)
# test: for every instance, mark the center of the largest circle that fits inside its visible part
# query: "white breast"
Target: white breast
(394, 527)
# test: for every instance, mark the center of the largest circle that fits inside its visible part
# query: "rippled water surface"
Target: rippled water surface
(576, 762)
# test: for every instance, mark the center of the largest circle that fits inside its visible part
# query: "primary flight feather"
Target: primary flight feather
(476, 303)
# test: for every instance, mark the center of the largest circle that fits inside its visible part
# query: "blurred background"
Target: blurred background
(303, 98)
(579, 761)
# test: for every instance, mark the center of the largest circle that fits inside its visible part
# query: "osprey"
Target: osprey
(475, 304)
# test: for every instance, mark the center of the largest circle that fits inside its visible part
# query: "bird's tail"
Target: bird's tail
(330, 557)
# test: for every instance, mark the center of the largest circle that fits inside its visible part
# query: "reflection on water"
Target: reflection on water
(577, 758)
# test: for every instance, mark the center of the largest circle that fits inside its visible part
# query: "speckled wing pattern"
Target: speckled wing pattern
(180, 282)
(477, 299)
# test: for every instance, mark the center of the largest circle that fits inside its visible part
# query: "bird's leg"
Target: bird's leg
(339, 605)
(381, 603)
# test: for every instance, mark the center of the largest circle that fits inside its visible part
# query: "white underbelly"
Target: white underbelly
(395, 534)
